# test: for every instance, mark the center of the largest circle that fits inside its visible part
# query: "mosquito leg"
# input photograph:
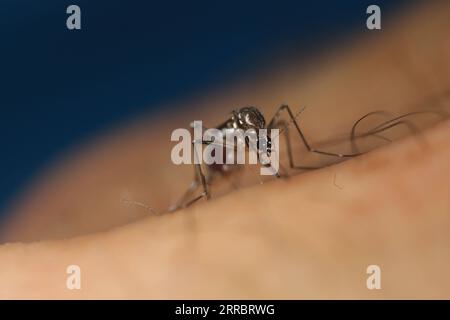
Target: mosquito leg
(357, 122)
(353, 131)
(392, 123)
(194, 200)
(138, 204)
(379, 136)
(284, 173)
(384, 126)
(389, 125)
(285, 127)
(182, 201)
(199, 180)
(303, 138)
(200, 176)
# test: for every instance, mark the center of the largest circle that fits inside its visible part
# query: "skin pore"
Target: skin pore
(310, 236)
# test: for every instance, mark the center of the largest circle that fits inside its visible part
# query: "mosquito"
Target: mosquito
(251, 118)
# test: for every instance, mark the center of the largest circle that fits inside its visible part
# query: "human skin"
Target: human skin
(310, 236)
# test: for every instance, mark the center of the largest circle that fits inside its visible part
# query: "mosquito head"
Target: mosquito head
(248, 118)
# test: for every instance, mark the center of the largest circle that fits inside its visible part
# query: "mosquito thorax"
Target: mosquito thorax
(248, 118)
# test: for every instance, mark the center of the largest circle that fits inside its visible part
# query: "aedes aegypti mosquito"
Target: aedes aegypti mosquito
(251, 118)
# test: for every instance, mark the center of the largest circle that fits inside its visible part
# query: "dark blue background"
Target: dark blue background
(59, 87)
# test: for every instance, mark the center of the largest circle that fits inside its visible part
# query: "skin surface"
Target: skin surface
(310, 236)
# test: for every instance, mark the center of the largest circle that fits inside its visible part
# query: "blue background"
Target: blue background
(60, 87)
